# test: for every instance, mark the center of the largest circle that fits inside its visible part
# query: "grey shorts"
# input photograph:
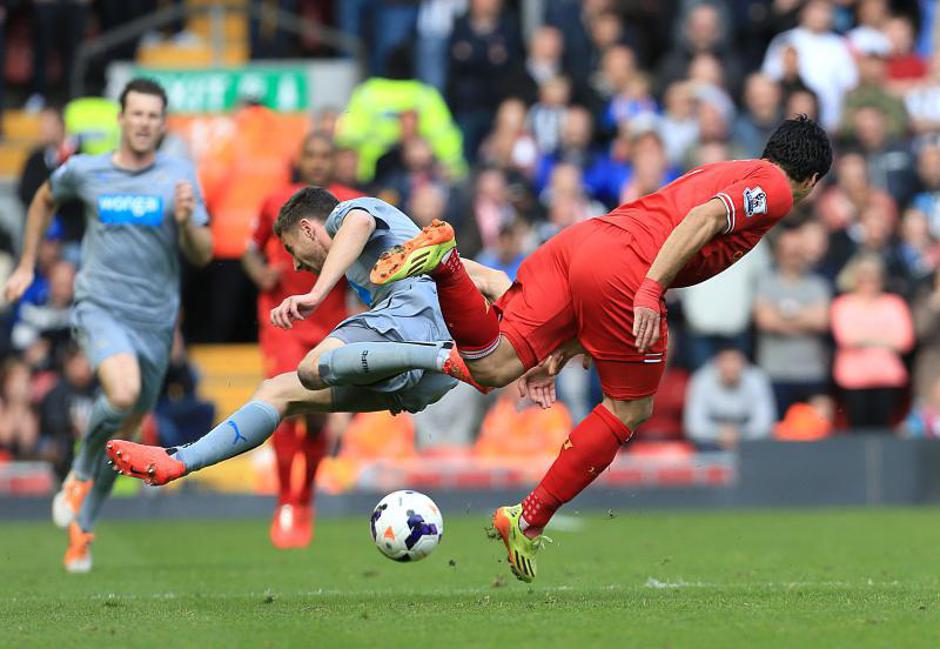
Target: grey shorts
(400, 318)
(102, 335)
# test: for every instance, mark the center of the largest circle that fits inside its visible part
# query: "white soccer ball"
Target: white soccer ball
(406, 526)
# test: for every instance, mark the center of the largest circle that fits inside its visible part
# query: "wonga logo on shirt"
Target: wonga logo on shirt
(130, 209)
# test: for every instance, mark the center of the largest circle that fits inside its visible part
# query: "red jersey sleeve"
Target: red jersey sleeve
(764, 195)
(262, 229)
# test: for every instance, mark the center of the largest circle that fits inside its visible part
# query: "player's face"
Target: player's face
(308, 244)
(142, 122)
(315, 165)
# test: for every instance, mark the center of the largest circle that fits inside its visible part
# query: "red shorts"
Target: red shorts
(580, 284)
(283, 349)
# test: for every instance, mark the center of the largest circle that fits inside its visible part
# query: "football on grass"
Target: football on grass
(406, 526)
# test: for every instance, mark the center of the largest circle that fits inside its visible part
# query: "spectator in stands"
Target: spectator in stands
(873, 234)
(565, 202)
(841, 204)
(927, 199)
(418, 167)
(19, 428)
(871, 16)
(761, 115)
(575, 19)
(718, 313)
(703, 32)
(871, 91)
(823, 59)
(59, 25)
(926, 314)
(547, 116)
(924, 418)
(922, 100)
(728, 400)
(918, 250)
(64, 410)
(385, 24)
(427, 202)
(679, 125)
(486, 210)
(649, 168)
(509, 251)
(435, 23)
(791, 313)
(182, 417)
(905, 67)
(371, 123)
(543, 63)
(801, 101)
(50, 318)
(484, 47)
(510, 145)
(872, 329)
(890, 165)
(633, 101)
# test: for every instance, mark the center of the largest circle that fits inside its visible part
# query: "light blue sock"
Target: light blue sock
(369, 362)
(104, 478)
(103, 422)
(245, 429)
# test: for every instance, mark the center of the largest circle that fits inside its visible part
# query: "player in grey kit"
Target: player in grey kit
(396, 356)
(142, 209)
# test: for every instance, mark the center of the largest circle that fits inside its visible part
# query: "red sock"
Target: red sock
(286, 447)
(589, 449)
(471, 321)
(314, 446)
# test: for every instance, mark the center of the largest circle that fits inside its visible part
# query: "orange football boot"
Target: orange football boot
(152, 464)
(417, 256)
(78, 555)
(456, 367)
(67, 503)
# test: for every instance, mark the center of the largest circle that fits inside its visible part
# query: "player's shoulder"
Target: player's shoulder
(176, 163)
(88, 161)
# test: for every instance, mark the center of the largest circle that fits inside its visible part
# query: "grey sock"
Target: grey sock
(369, 362)
(104, 478)
(242, 431)
(104, 420)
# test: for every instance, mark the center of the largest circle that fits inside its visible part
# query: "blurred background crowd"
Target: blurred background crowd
(514, 120)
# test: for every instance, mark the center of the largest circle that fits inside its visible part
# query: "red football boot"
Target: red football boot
(152, 464)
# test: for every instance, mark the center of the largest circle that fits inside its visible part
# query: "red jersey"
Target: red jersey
(333, 308)
(756, 195)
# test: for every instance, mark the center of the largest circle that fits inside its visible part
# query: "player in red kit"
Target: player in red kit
(272, 270)
(597, 287)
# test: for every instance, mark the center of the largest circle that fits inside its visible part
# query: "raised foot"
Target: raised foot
(418, 256)
(151, 464)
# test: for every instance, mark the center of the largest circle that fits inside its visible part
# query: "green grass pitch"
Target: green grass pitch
(853, 578)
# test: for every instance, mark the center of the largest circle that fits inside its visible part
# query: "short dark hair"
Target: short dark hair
(144, 86)
(307, 203)
(801, 147)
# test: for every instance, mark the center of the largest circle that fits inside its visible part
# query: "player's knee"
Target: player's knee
(123, 397)
(309, 375)
(631, 413)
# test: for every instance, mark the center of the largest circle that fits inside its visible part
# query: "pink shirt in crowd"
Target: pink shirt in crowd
(871, 335)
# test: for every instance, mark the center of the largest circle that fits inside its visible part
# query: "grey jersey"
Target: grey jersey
(392, 228)
(130, 254)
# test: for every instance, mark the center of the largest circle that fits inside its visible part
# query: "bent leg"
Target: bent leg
(120, 381)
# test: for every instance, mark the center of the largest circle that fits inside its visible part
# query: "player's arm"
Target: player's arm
(700, 225)
(348, 243)
(490, 282)
(38, 218)
(194, 240)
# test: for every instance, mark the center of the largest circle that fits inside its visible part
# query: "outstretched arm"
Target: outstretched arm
(37, 222)
(698, 227)
(350, 239)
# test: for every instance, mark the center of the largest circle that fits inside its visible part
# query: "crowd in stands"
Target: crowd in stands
(512, 134)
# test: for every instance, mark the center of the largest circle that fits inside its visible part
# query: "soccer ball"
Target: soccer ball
(406, 526)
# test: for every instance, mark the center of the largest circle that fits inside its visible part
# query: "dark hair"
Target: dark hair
(801, 147)
(306, 203)
(144, 86)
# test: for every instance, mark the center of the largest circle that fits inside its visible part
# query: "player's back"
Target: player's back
(756, 195)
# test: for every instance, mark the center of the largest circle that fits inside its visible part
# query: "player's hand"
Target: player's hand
(293, 308)
(538, 385)
(18, 282)
(560, 357)
(184, 202)
(647, 314)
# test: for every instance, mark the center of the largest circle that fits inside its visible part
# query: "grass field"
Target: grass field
(735, 579)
